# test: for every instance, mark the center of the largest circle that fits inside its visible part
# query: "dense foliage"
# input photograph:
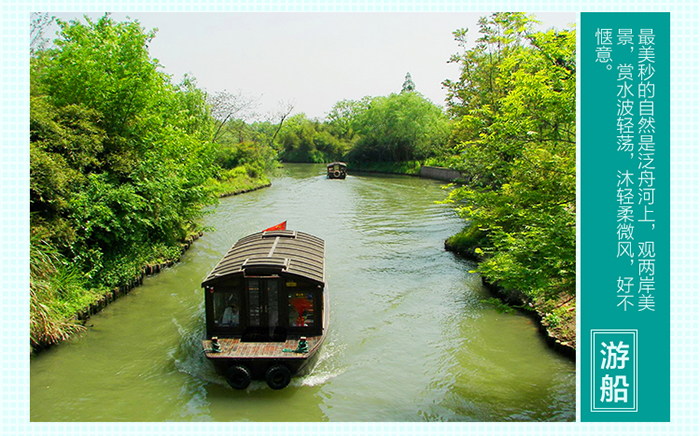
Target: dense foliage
(121, 164)
(305, 140)
(399, 128)
(395, 128)
(514, 139)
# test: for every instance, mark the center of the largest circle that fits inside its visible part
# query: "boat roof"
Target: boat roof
(280, 251)
(337, 163)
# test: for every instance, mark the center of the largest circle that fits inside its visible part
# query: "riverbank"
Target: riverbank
(556, 318)
(148, 270)
(239, 181)
(79, 303)
(410, 168)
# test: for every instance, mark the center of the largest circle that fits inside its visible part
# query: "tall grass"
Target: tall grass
(49, 278)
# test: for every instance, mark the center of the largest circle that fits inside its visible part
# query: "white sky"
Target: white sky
(312, 60)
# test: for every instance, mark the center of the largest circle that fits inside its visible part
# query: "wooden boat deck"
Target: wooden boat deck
(233, 348)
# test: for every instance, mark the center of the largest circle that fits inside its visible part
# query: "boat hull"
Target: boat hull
(257, 358)
(337, 170)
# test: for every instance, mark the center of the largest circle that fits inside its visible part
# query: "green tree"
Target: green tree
(398, 128)
(64, 145)
(105, 66)
(119, 155)
(514, 133)
(305, 140)
(194, 114)
(340, 118)
(408, 85)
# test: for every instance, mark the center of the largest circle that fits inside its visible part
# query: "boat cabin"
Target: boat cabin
(337, 170)
(265, 299)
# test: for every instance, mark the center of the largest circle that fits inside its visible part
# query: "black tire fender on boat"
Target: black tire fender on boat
(238, 377)
(337, 173)
(278, 376)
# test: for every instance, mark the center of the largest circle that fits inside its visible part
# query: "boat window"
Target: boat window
(254, 303)
(272, 303)
(227, 309)
(301, 309)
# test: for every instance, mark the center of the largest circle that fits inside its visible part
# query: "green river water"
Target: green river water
(410, 338)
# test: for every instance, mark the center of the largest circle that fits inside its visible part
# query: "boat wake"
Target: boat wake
(325, 370)
(316, 378)
(189, 358)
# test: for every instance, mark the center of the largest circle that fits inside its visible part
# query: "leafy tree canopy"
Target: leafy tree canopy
(398, 128)
(514, 138)
(119, 155)
(408, 85)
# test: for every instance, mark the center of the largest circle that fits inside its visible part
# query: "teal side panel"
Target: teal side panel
(625, 217)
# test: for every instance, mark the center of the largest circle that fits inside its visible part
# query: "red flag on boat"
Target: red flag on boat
(280, 226)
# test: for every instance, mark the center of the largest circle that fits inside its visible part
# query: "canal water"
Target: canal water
(411, 338)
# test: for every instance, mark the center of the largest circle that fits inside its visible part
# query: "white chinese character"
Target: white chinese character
(646, 90)
(607, 389)
(625, 107)
(646, 108)
(625, 214)
(624, 143)
(646, 36)
(646, 266)
(625, 301)
(646, 195)
(646, 72)
(614, 392)
(647, 217)
(625, 125)
(646, 302)
(615, 355)
(647, 178)
(646, 143)
(647, 125)
(624, 284)
(624, 248)
(624, 90)
(624, 37)
(624, 72)
(646, 54)
(625, 231)
(645, 162)
(604, 36)
(646, 249)
(624, 179)
(625, 196)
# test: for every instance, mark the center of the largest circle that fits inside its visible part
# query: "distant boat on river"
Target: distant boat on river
(267, 307)
(337, 170)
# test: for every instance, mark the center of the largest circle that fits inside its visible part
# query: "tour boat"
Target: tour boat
(337, 170)
(267, 308)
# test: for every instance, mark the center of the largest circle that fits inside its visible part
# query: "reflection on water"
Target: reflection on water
(410, 339)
